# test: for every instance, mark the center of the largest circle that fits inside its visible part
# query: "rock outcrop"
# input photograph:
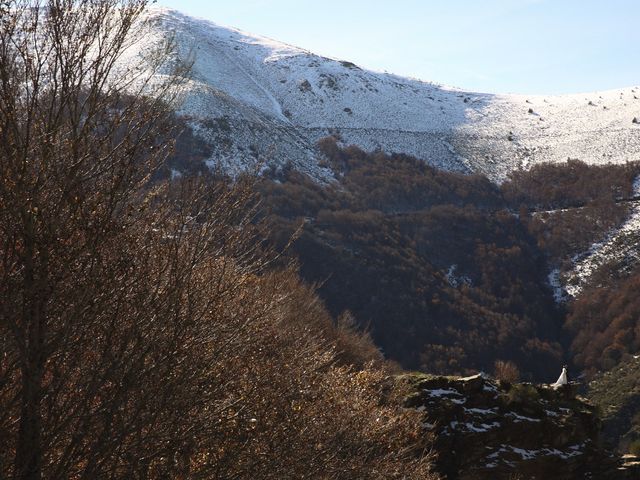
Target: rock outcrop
(617, 393)
(486, 429)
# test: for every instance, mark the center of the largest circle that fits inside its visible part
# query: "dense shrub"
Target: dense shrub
(506, 371)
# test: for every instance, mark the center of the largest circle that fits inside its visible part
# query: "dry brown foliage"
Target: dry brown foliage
(506, 371)
(143, 332)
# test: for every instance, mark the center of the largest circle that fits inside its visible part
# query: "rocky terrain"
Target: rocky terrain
(487, 429)
(617, 394)
(256, 100)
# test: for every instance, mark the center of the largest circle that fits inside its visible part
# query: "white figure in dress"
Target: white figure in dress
(562, 380)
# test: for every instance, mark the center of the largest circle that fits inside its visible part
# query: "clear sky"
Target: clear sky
(506, 46)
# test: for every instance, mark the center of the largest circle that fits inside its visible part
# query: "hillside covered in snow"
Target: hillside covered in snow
(254, 99)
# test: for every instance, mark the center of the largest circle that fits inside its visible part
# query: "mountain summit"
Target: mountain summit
(254, 99)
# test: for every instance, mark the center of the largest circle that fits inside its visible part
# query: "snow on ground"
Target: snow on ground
(447, 393)
(258, 100)
(483, 427)
(471, 427)
(525, 454)
(439, 392)
(520, 418)
(620, 246)
(456, 280)
(482, 411)
(559, 293)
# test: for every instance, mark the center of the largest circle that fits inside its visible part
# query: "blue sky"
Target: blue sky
(508, 46)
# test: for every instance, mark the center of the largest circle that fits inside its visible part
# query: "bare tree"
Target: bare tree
(75, 142)
(143, 332)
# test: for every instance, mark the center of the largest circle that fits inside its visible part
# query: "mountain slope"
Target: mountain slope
(617, 393)
(619, 248)
(252, 97)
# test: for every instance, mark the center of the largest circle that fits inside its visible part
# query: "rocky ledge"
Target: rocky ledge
(486, 429)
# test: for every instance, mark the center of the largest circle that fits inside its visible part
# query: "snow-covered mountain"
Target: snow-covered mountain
(254, 98)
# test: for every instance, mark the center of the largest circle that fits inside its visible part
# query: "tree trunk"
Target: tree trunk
(29, 448)
(28, 460)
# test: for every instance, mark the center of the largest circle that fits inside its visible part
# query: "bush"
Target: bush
(523, 393)
(506, 371)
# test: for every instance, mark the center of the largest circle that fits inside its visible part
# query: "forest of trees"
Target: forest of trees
(146, 330)
(568, 206)
(603, 323)
(445, 278)
(449, 272)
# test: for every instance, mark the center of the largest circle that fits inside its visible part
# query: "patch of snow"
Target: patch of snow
(482, 411)
(497, 453)
(525, 454)
(454, 280)
(484, 427)
(439, 392)
(489, 387)
(559, 294)
(470, 427)
(521, 418)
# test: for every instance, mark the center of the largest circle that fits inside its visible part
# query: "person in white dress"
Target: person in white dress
(562, 380)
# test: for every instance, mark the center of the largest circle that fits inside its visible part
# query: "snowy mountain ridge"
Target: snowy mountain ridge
(257, 100)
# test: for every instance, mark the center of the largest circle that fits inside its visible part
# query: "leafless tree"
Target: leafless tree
(143, 333)
(75, 142)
